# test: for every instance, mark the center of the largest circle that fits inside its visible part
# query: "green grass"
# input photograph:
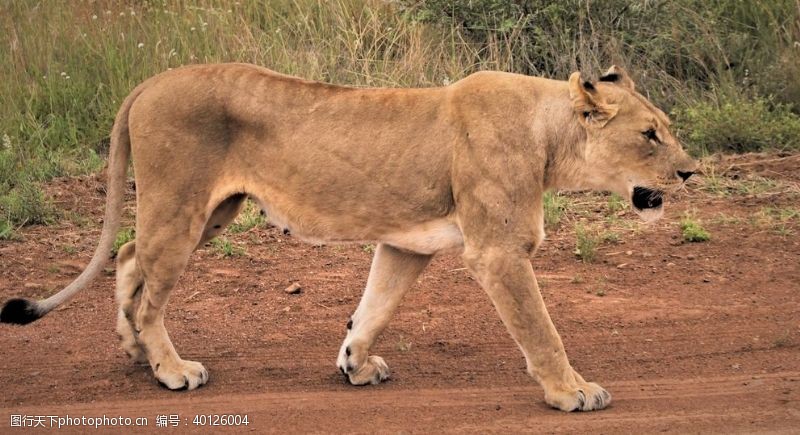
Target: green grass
(693, 231)
(248, 219)
(586, 243)
(6, 230)
(739, 124)
(616, 204)
(780, 220)
(24, 205)
(225, 248)
(124, 236)
(610, 236)
(555, 206)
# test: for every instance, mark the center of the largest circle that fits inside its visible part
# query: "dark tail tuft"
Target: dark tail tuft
(20, 312)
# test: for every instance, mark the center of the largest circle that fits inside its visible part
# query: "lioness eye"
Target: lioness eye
(650, 134)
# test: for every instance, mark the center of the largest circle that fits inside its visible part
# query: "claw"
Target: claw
(581, 401)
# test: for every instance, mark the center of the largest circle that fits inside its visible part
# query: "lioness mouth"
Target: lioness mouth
(644, 198)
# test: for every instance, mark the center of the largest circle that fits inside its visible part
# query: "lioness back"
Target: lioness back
(373, 159)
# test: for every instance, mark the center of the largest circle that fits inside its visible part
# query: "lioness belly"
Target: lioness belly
(436, 235)
(441, 235)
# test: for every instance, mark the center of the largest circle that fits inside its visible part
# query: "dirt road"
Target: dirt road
(687, 337)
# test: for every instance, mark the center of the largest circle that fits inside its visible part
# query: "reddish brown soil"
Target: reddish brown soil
(688, 337)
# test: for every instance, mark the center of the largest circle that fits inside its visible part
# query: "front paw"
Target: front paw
(583, 396)
(373, 371)
(181, 375)
(362, 371)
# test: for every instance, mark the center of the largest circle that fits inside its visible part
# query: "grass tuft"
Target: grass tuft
(124, 236)
(586, 243)
(248, 219)
(555, 206)
(225, 248)
(693, 231)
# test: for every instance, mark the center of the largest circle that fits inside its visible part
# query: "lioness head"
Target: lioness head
(629, 146)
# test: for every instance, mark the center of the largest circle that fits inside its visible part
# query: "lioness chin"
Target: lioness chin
(461, 168)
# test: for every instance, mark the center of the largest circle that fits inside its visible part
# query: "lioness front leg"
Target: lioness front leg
(391, 275)
(509, 280)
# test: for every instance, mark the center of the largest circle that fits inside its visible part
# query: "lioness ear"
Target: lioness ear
(618, 75)
(588, 104)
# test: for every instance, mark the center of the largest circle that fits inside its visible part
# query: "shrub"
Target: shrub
(25, 204)
(739, 124)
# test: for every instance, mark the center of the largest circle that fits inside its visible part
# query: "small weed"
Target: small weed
(783, 341)
(782, 230)
(250, 218)
(600, 292)
(611, 237)
(554, 207)
(693, 231)
(403, 345)
(778, 219)
(71, 249)
(124, 236)
(713, 182)
(586, 243)
(7, 230)
(368, 248)
(726, 219)
(577, 279)
(226, 248)
(53, 269)
(616, 204)
(77, 219)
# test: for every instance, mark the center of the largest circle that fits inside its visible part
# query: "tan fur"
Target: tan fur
(461, 168)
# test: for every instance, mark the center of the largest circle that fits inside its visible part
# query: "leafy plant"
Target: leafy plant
(693, 231)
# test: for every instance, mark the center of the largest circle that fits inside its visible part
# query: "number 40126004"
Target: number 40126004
(220, 420)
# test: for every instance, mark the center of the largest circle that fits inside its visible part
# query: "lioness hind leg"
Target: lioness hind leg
(391, 275)
(128, 294)
(166, 236)
(130, 280)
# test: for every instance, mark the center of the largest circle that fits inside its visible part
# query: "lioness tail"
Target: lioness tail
(24, 311)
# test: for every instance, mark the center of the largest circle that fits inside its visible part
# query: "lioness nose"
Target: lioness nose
(685, 175)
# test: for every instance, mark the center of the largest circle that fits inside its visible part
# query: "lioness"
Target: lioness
(419, 171)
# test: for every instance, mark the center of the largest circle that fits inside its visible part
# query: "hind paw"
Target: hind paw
(584, 396)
